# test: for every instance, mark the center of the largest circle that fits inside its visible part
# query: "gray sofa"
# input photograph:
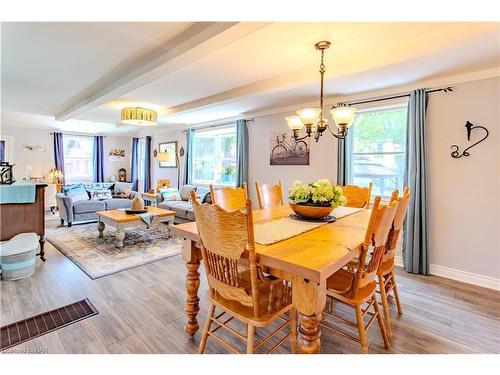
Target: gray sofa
(183, 208)
(85, 210)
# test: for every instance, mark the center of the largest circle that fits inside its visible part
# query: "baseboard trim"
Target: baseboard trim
(458, 275)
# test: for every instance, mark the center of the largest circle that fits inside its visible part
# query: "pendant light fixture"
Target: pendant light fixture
(138, 116)
(312, 118)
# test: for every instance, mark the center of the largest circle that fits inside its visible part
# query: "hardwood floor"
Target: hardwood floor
(142, 311)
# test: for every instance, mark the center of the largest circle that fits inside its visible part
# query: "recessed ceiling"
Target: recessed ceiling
(222, 70)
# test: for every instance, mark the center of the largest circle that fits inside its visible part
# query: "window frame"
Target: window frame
(67, 179)
(191, 167)
(391, 105)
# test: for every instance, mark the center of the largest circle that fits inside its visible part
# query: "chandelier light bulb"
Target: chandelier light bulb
(309, 115)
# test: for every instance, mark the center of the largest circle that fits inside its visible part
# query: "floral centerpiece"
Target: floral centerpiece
(316, 199)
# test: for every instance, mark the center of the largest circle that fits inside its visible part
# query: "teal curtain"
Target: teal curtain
(242, 152)
(188, 153)
(344, 147)
(416, 234)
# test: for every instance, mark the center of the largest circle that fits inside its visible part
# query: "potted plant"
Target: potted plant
(228, 172)
(315, 200)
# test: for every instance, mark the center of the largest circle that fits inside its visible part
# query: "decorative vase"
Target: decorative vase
(138, 203)
(311, 211)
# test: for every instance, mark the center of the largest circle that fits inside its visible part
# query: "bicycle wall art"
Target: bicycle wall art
(286, 151)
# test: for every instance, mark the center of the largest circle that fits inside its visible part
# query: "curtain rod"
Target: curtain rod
(81, 134)
(219, 124)
(365, 101)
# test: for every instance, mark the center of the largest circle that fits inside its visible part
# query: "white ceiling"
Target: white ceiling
(195, 73)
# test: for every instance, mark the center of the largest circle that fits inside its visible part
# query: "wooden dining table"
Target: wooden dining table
(306, 260)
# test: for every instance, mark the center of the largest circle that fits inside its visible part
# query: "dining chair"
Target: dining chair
(357, 196)
(356, 286)
(162, 182)
(229, 198)
(269, 195)
(385, 274)
(237, 285)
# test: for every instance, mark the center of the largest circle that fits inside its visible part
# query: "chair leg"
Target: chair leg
(250, 336)
(361, 328)
(385, 307)
(396, 294)
(293, 329)
(381, 323)
(206, 328)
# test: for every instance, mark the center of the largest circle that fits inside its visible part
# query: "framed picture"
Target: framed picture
(284, 150)
(171, 148)
(116, 155)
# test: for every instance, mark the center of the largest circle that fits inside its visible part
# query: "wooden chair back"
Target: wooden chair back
(398, 222)
(357, 196)
(376, 235)
(226, 237)
(162, 182)
(269, 195)
(230, 198)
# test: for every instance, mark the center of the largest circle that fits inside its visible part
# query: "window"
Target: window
(214, 156)
(378, 149)
(78, 156)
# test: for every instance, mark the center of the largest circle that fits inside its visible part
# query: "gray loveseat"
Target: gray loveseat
(183, 208)
(85, 210)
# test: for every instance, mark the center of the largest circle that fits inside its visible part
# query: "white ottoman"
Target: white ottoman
(18, 256)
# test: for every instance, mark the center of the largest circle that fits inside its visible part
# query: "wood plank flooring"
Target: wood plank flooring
(142, 311)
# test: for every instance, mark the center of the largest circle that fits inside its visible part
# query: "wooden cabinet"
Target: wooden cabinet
(18, 218)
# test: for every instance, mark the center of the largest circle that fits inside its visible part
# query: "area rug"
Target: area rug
(99, 257)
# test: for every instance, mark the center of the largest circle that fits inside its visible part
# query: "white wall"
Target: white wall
(464, 194)
(322, 161)
(43, 162)
(111, 167)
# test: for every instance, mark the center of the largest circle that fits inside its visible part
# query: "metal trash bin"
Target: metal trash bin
(18, 256)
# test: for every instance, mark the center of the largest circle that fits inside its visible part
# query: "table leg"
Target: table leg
(309, 298)
(192, 300)
(119, 237)
(100, 228)
(42, 251)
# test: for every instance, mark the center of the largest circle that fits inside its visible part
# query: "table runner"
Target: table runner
(18, 192)
(277, 230)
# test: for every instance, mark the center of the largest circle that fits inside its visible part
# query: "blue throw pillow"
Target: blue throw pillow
(68, 188)
(171, 194)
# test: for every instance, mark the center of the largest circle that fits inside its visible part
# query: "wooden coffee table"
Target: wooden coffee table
(119, 220)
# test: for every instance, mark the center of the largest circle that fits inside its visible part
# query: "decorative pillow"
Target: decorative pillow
(100, 194)
(122, 189)
(77, 195)
(99, 185)
(186, 192)
(66, 189)
(171, 194)
(201, 193)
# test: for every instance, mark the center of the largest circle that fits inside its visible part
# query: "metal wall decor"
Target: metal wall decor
(455, 154)
(6, 176)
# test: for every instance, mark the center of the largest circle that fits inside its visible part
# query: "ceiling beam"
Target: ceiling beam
(194, 43)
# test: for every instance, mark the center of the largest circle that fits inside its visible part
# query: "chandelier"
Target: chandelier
(312, 118)
(138, 116)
